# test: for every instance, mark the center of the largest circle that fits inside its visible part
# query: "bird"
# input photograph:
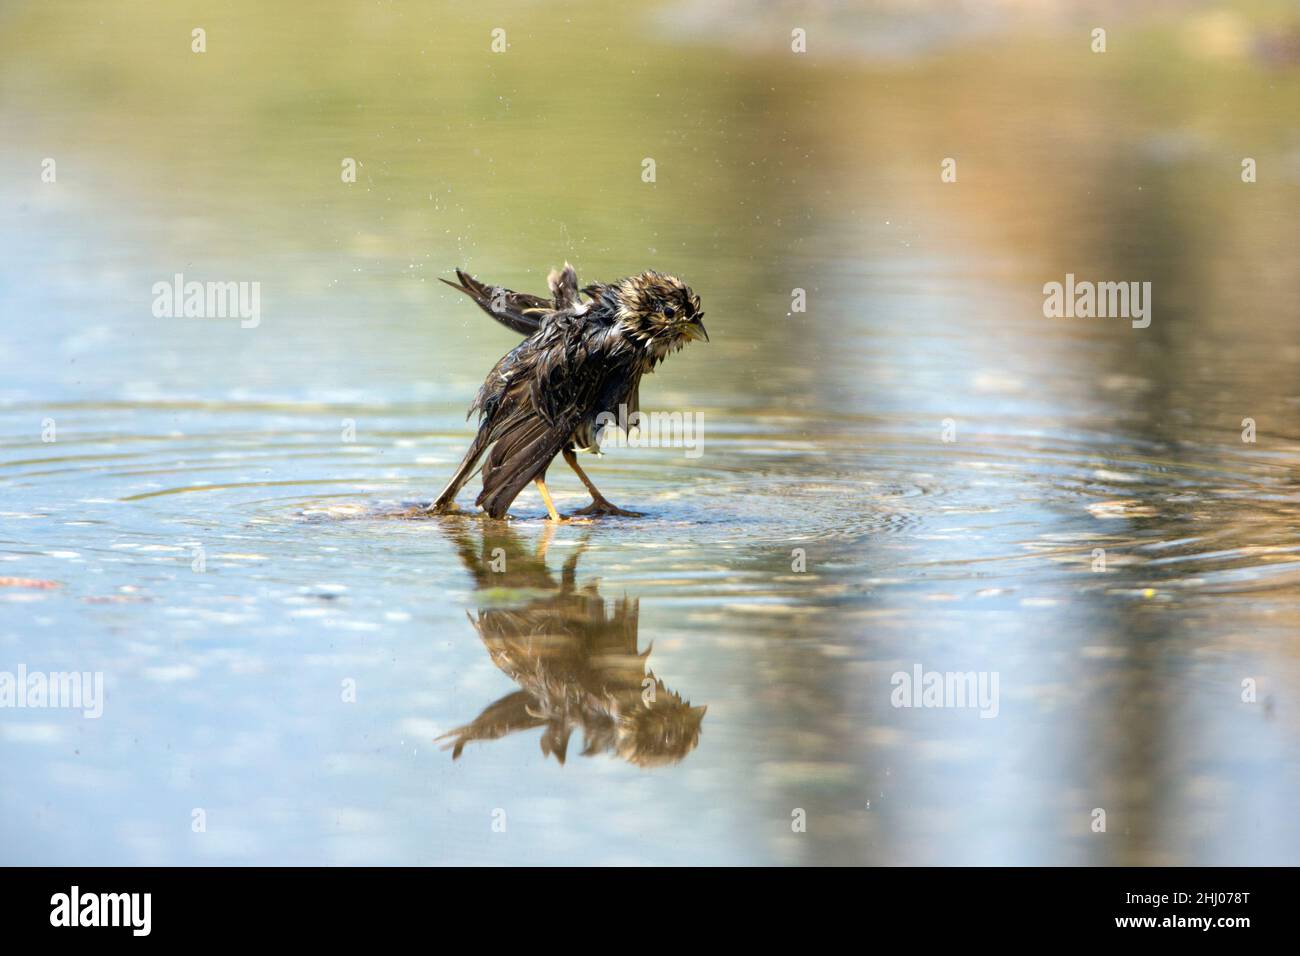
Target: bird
(580, 361)
(574, 655)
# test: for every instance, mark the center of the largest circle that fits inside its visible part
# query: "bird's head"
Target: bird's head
(655, 731)
(660, 311)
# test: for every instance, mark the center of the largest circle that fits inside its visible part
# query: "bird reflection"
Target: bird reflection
(574, 656)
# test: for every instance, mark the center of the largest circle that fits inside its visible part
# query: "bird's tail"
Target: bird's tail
(520, 455)
(563, 284)
(468, 465)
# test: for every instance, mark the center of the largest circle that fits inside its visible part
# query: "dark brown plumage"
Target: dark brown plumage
(576, 659)
(579, 360)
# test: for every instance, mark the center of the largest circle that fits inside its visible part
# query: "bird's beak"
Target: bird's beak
(696, 331)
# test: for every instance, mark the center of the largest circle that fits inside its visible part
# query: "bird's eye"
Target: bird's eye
(669, 312)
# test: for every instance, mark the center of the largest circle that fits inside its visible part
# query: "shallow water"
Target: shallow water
(918, 470)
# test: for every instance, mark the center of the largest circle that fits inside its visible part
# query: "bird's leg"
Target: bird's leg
(546, 497)
(600, 505)
(544, 542)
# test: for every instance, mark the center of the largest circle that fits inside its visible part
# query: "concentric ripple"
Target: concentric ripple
(1015, 505)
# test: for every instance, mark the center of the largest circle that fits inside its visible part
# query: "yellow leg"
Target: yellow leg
(572, 460)
(546, 497)
(544, 541)
(600, 505)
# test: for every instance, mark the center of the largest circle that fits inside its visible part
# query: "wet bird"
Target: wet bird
(580, 362)
(575, 656)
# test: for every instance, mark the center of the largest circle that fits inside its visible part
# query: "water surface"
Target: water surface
(919, 469)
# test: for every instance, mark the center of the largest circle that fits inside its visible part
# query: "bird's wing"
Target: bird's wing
(509, 714)
(569, 378)
(596, 290)
(518, 311)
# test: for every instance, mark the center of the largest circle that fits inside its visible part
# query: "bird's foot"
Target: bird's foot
(599, 507)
